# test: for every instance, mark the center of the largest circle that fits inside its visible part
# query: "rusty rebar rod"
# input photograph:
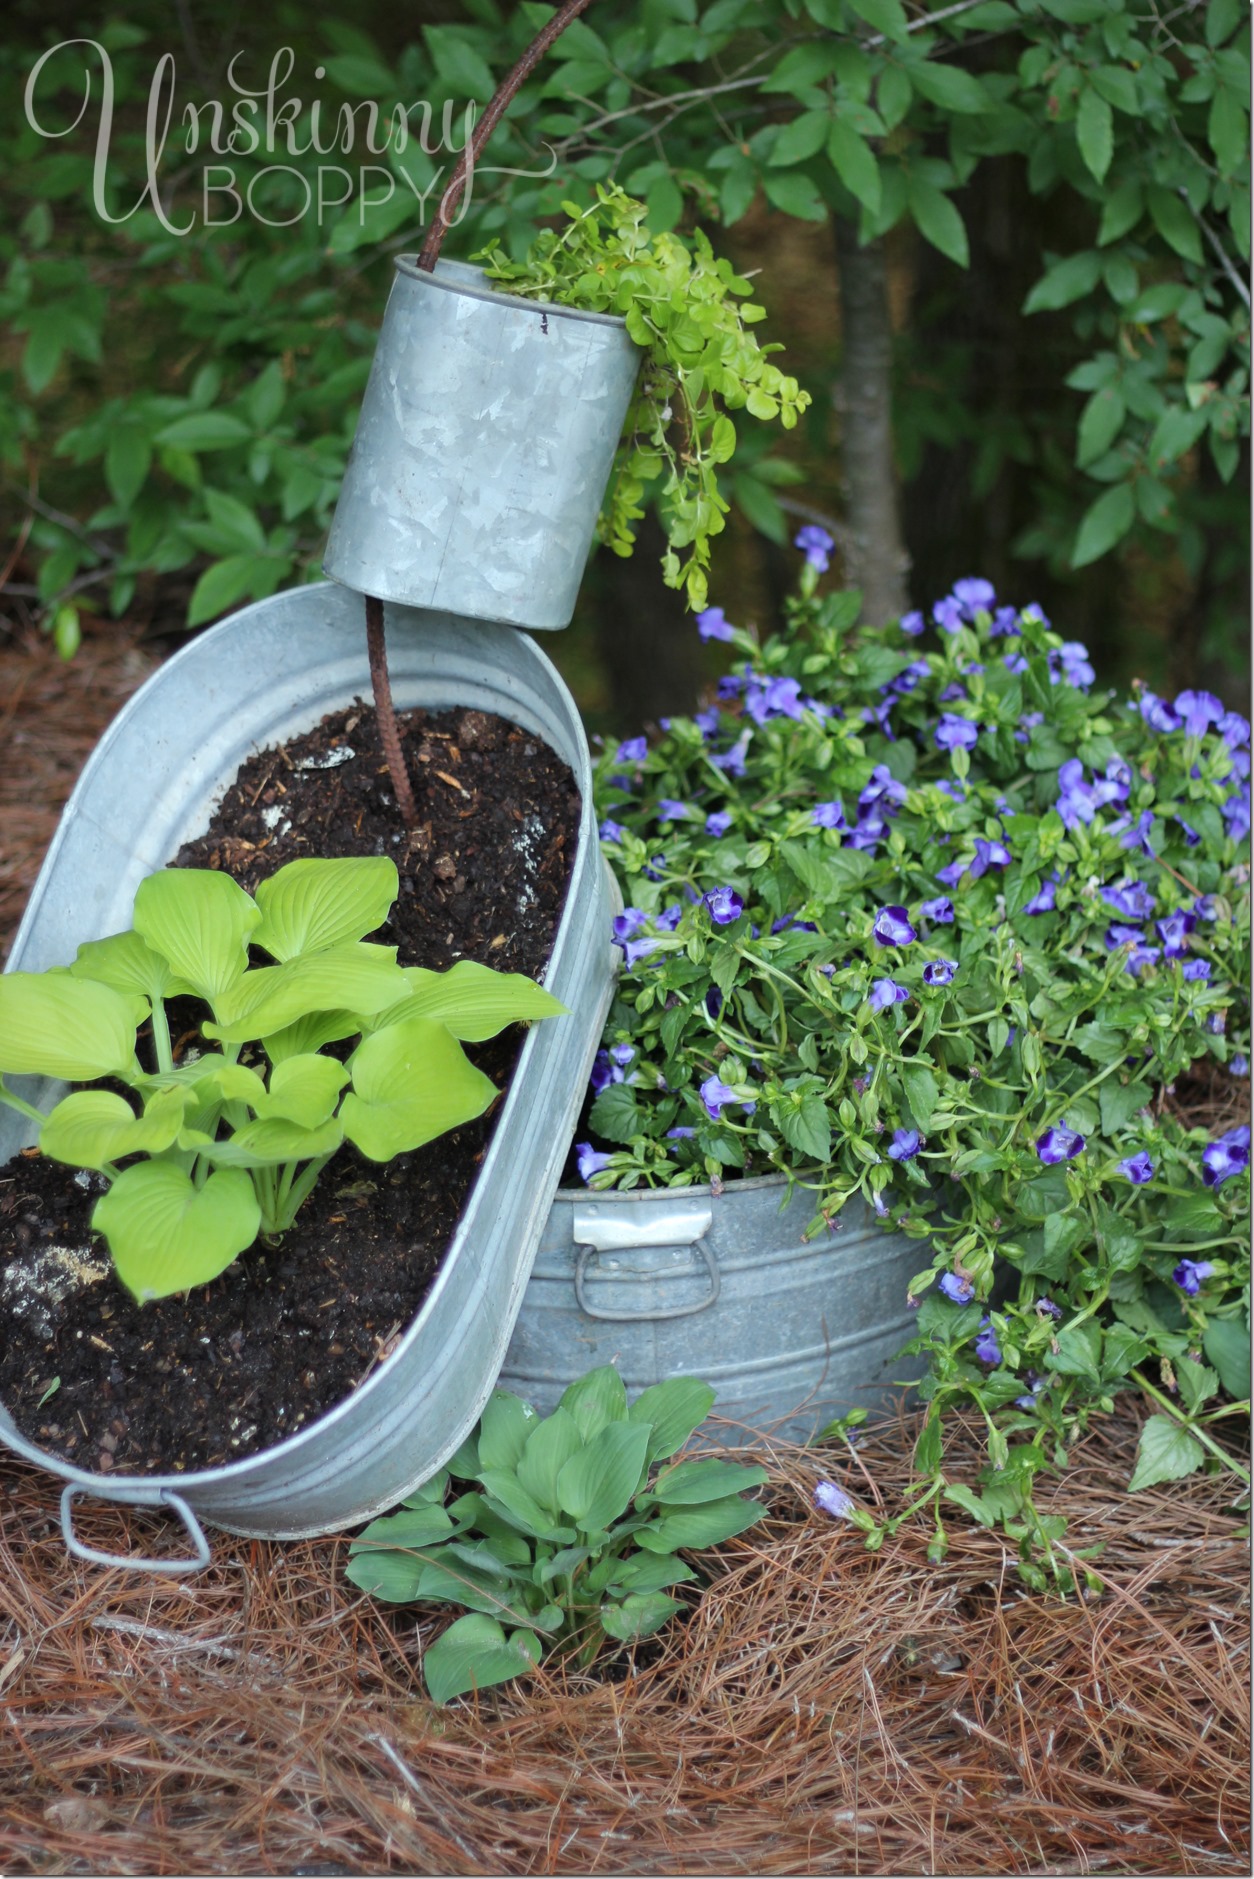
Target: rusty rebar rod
(389, 736)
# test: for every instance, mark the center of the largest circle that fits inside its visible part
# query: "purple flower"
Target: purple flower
(1005, 624)
(633, 750)
(725, 905)
(1138, 834)
(881, 715)
(1198, 710)
(1059, 1143)
(816, 545)
(989, 855)
(952, 691)
(1196, 969)
(1119, 935)
(1189, 1274)
(790, 924)
(1157, 713)
(905, 1145)
(987, 1349)
(1240, 1065)
(1014, 662)
(959, 1290)
(1044, 899)
(1216, 1022)
(954, 733)
(832, 1500)
(611, 831)
(680, 1134)
(637, 949)
(951, 875)
(713, 624)
(591, 1161)
(602, 1073)
(669, 918)
(1174, 930)
(948, 614)
(830, 815)
(940, 910)
(1138, 1168)
(1130, 898)
(1074, 660)
(912, 624)
(939, 971)
(1046, 1308)
(1226, 1157)
(628, 923)
(622, 1054)
(886, 992)
(1035, 1386)
(882, 790)
(892, 927)
(778, 698)
(973, 592)
(668, 810)
(733, 760)
(715, 1093)
(707, 722)
(718, 823)
(713, 1001)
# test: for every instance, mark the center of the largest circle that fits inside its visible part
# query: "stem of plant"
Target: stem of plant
(500, 102)
(389, 736)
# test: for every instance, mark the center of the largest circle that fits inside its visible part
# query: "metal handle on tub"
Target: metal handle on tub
(599, 1230)
(165, 1498)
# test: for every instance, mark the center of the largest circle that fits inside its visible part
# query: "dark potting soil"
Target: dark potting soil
(291, 1328)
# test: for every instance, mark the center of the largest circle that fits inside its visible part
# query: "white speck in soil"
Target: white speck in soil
(525, 845)
(274, 818)
(36, 1284)
(330, 760)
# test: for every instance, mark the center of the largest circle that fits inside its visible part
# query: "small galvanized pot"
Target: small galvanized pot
(485, 441)
(687, 1282)
(266, 673)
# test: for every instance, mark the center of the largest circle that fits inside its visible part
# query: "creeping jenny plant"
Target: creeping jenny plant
(228, 1143)
(690, 311)
(561, 1529)
(918, 914)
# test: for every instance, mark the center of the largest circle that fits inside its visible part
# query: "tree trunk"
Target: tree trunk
(876, 558)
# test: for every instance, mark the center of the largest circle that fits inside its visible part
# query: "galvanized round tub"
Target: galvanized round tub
(686, 1282)
(271, 671)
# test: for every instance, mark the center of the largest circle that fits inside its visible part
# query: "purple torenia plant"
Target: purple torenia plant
(1059, 1143)
(892, 927)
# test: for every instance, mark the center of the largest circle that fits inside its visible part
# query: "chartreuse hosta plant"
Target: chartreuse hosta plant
(691, 312)
(916, 913)
(203, 1155)
(566, 1528)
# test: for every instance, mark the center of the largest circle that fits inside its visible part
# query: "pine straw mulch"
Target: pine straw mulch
(822, 1709)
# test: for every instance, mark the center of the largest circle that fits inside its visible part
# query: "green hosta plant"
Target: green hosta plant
(690, 311)
(203, 1155)
(563, 1528)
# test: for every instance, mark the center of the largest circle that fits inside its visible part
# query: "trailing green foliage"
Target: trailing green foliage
(228, 1142)
(701, 362)
(568, 1528)
(935, 924)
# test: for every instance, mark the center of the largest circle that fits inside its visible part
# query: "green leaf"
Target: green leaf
(200, 921)
(204, 430)
(1100, 423)
(234, 522)
(854, 163)
(1226, 1342)
(949, 87)
(473, 1001)
(1065, 282)
(505, 1428)
(474, 1653)
(411, 1082)
(266, 1144)
(690, 1483)
(1095, 132)
(648, 1572)
(596, 1399)
(1166, 1452)
(1228, 129)
(674, 1409)
(1104, 523)
(893, 95)
(267, 999)
(700, 1526)
(227, 581)
(937, 219)
(457, 62)
(303, 1089)
(639, 1614)
(795, 194)
(128, 964)
(800, 138)
(128, 459)
(597, 1483)
(1121, 212)
(1176, 432)
(94, 1128)
(886, 16)
(921, 1092)
(310, 905)
(1118, 86)
(615, 1115)
(54, 1025)
(1174, 222)
(1079, 1348)
(808, 1128)
(506, 1491)
(548, 1448)
(166, 1235)
(1120, 1102)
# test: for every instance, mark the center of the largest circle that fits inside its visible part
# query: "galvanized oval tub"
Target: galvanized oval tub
(269, 672)
(486, 437)
(686, 1282)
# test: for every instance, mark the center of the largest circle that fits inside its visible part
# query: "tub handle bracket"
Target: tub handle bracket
(598, 1230)
(128, 1562)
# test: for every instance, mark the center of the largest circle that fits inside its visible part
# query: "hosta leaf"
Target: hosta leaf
(475, 1653)
(673, 1409)
(411, 1082)
(312, 904)
(699, 1526)
(692, 1483)
(548, 1448)
(128, 964)
(471, 1000)
(505, 1428)
(303, 1089)
(596, 1485)
(166, 1235)
(267, 1144)
(596, 1399)
(200, 921)
(310, 1033)
(637, 1615)
(356, 976)
(648, 1572)
(94, 1128)
(503, 1486)
(54, 1025)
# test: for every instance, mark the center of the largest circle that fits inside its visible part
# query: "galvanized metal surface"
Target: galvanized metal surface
(485, 441)
(789, 1334)
(268, 672)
